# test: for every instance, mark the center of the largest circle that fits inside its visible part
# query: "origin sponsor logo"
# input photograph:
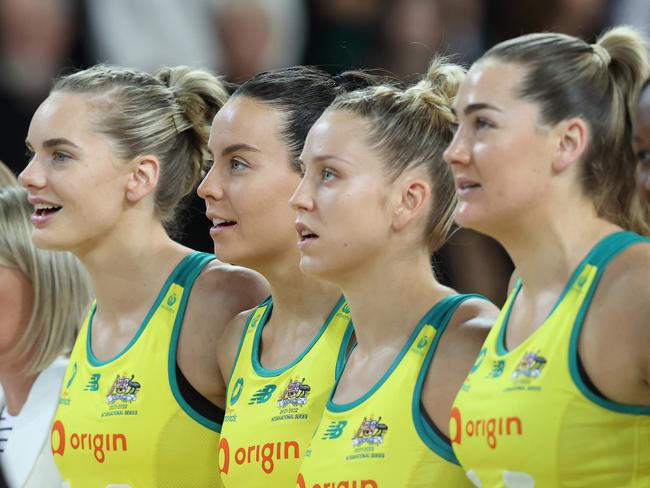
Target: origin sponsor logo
(265, 455)
(99, 444)
(490, 428)
(337, 484)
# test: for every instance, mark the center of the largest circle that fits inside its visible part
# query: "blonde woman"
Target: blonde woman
(114, 153)
(42, 297)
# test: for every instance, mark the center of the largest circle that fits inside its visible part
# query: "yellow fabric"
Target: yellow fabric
(381, 440)
(271, 415)
(119, 423)
(525, 417)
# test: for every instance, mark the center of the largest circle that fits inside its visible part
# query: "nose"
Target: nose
(210, 187)
(301, 198)
(457, 151)
(32, 177)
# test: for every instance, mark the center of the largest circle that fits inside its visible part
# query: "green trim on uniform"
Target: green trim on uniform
(606, 250)
(186, 279)
(255, 349)
(163, 292)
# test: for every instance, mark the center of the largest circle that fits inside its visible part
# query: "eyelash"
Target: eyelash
(482, 123)
(643, 157)
(55, 154)
(235, 161)
(327, 171)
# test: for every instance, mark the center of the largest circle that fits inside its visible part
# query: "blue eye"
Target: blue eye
(481, 123)
(60, 157)
(236, 165)
(328, 175)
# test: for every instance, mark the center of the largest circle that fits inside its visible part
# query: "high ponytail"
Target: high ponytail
(566, 77)
(411, 127)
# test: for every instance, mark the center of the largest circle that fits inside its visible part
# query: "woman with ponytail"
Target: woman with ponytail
(113, 153)
(375, 202)
(544, 163)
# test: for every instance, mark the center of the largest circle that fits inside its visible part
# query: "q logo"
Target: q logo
(59, 439)
(224, 448)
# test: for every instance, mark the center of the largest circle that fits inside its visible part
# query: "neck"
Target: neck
(16, 388)
(297, 297)
(126, 271)
(389, 296)
(548, 248)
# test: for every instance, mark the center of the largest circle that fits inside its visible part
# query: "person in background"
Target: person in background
(42, 297)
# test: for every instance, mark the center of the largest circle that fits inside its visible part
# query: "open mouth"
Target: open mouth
(221, 223)
(41, 210)
(307, 235)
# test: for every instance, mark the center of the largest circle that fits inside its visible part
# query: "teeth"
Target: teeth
(305, 232)
(42, 206)
(216, 222)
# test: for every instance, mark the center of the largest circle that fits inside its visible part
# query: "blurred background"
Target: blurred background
(41, 39)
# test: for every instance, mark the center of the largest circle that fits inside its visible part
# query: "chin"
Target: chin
(41, 240)
(318, 268)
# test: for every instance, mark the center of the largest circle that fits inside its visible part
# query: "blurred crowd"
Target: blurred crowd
(41, 39)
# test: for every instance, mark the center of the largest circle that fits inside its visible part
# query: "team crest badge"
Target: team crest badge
(295, 393)
(124, 389)
(530, 367)
(371, 431)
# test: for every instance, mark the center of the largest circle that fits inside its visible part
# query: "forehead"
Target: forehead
(491, 81)
(246, 120)
(63, 114)
(338, 132)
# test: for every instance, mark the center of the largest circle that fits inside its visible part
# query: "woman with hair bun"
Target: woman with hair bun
(113, 153)
(375, 202)
(543, 163)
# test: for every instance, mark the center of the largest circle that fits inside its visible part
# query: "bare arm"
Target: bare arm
(459, 345)
(219, 295)
(614, 345)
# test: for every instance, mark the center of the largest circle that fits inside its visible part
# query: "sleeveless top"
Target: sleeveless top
(123, 422)
(528, 417)
(271, 414)
(384, 439)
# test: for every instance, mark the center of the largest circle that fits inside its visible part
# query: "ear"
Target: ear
(573, 135)
(143, 178)
(412, 200)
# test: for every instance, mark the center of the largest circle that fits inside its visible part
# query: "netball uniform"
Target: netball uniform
(385, 438)
(123, 422)
(530, 416)
(271, 414)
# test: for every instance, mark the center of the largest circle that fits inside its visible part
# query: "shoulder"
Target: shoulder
(228, 346)
(472, 320)
(229, 287)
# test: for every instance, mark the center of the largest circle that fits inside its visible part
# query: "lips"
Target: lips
(305, 233)
(464, 184)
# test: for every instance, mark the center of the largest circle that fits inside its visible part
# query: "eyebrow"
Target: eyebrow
(473, 107)
(59, 141)
(324, 157)
(238, 147)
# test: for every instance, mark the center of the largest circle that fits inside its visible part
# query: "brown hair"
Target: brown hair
(566, 77)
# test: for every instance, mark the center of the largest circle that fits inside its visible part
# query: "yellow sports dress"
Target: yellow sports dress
(385, 438)
(530, 417)
(271, 414)
(122, 422)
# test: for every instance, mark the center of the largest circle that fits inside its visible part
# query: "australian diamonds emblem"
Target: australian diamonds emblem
(295, 393)
(124, 389)
(371, 431)
(530, 367)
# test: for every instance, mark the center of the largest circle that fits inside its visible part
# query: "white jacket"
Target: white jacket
(27, 461)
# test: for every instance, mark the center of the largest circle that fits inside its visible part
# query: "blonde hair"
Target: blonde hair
(60, 284)
(167, 114)
(7, 177)
(412, 127)
(566, 77)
